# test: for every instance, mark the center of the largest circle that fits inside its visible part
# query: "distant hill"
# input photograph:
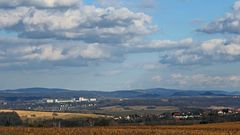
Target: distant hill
(138, 93)
(35, 90)
(199, 93)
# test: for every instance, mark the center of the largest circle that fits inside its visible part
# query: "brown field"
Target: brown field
(136, 109)
(211, 129)
(49, 115)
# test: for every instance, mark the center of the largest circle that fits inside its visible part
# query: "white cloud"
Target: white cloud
(139, 5)
(85, 23)
(18, 52)
(10, 18)
(67, 32)
(39, 3)
(94, 52)
(230, 23)
(236, 5)
(103, 34)
(43, 52)
(208, 52)
(206, 81)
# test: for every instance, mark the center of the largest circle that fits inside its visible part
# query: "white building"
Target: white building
(92, 99)
(73, 100)
(82, 99)
(65, 101)
(50, 101)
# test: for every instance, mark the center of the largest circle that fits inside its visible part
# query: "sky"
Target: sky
(120, 44)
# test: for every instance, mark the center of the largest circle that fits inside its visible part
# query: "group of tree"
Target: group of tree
(10, 119)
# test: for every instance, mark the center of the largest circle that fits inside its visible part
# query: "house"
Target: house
(92, 99)
(220, 112)
(50, 100)
(82, 99)
(238, 110)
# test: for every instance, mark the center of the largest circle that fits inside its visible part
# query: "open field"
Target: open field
(49, 115)
(121, 110)
(139, 108)
(211, 129)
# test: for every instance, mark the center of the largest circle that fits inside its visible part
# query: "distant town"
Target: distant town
(73, 100)
(153, 107)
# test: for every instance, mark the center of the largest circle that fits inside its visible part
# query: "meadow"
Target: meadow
(209, 129)
(35, 115)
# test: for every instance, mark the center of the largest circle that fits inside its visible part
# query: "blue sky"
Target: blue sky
(120, 44)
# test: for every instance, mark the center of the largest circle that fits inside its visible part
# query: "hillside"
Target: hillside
(29, 93)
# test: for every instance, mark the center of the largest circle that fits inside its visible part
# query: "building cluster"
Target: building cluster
(73, 100)
(182, 115)
(186, 115)
(174, 115)
(228, 111)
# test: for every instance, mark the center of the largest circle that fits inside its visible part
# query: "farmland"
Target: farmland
(126, 110)
(49, 115)
(210, 129)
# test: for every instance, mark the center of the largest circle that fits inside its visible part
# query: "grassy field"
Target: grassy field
(211, 129)
(49, 115)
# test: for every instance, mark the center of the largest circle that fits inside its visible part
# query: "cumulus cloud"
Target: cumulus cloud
(54, 53)
(230, 23)
(137, 5)
(47, 32)
(206, 81)
(18, 52)
(67, 32)
(236, 6)
(10, 18)
(208, 52)
(86, 23)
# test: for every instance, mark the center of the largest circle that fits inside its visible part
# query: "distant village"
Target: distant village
(73, 100)
(224, 114)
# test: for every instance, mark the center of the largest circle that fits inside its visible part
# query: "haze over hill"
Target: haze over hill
(143, 93)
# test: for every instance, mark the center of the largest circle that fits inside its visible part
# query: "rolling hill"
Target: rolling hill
(29, 93)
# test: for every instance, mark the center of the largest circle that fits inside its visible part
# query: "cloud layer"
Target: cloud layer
(15, 52)
(67, 32)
